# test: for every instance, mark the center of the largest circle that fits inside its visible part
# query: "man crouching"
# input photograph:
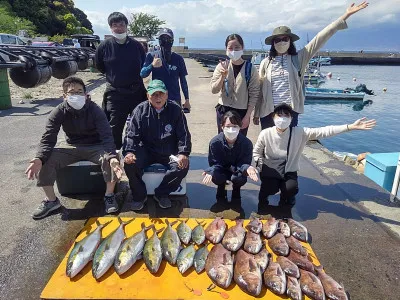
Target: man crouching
(88, 137)
(157, 130)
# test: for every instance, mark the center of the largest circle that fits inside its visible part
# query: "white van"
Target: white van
(9, 39)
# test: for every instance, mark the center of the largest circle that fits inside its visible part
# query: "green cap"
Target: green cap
(156, 86)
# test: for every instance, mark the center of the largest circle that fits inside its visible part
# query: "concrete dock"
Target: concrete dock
(355, 230)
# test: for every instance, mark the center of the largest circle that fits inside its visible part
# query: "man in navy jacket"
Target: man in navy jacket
(157, 130)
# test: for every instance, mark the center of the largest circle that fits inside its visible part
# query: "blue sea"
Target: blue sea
(385, 108)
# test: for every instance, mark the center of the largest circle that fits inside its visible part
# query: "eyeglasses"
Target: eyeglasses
(282, 39)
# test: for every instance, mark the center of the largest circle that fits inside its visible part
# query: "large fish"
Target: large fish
(234, 236)
(106, 252)
(130, 251)
(278, 244)
(293, 289)
(255, 225)
(247, 273)
(84, 250)
(296, 246)
(198, 234)
(311, 285)
(252, 243)
(298, 230)
(170, 243)
(262, 258)
(219, 266)
(275, 278)
(185, 258)
(284, 228)
(184, 232)
(216, 230)
(333, 290)
(270, 227)
(288, 266)
(200, 259)
(301, 261)
(152, 253)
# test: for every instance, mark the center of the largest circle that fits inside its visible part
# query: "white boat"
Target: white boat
(333, 94)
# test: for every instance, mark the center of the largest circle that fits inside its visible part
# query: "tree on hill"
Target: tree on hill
(143, 24)
(9, 23)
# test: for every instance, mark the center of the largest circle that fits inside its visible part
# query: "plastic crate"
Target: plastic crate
(154, 174)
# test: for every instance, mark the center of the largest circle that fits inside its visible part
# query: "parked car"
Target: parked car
(9, 39)
(46, 44)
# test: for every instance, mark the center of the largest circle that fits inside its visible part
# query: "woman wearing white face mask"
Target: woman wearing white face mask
(278, 150)
(237, 83)
(229, 157)
(282, 73)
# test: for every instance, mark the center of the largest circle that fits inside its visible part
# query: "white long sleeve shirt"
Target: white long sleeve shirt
(272, 145)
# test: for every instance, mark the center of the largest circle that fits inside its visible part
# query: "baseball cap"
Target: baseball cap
(156, 86)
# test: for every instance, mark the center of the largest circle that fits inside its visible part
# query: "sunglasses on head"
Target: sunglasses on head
(282, 39)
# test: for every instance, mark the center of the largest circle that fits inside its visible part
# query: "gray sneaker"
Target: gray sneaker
(163, 201)
(45, 208)
(111, 204)
(136, 205)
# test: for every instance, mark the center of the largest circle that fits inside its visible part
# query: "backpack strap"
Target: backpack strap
(247, 71)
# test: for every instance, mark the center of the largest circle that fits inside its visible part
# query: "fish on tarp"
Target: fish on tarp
(198, 234)
(84, 250)
(152, 253)
(284, 228)
(252, 243)
(184, 232)
(278, 245)
(298, 230)
(333, 290)
(170, 243)
(219, 266)
(255, 225)
(200, 259)
(275, 278)
(270, 227)
(185, 258)
(106, 252)
(301, 261)
(296, 246)
(215, 230)
(293, 289)
(130, 251)
(311, 285)
(288, 266)
(247, 273)
(262, 258)
(234, 237)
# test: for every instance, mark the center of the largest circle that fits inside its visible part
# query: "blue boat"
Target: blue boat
(333, 94)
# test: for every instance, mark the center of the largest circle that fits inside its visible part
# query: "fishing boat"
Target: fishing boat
(333, 94)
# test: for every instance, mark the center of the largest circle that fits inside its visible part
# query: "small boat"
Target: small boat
(333, 94)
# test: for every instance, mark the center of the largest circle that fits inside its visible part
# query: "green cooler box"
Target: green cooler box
(83, 177)
(381, 168)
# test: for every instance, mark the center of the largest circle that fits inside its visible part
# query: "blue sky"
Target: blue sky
(206, 23)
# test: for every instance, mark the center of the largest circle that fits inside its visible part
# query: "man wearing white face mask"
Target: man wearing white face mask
(229, 158)
(88, 137)
(120, 58)
(278, 150)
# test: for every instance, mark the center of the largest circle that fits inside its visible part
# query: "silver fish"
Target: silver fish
(83, 251)
(152, 253)
(234, 236)
(216, 230)
(184, 232)
(170, 243)
(198, 234)
(130, 251)
(252, 243)
(105, 254)
(270, 227)
(284, 228)
(200, 259)
(185, 258)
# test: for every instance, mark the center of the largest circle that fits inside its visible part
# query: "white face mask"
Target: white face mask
(282, 47)
(282, 122)
(76, 101)
(234, 55)
(120, 36)
(231, 133)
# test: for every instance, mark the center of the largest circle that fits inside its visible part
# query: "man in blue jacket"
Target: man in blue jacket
(157, 130)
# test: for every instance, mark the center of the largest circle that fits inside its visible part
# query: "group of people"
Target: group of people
(157, 130)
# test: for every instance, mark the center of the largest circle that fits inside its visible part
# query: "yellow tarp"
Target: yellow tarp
(138, 282)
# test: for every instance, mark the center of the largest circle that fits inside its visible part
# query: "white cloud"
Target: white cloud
(204, 17)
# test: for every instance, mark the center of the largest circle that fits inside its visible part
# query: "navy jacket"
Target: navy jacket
(236, 159)
(162, 134)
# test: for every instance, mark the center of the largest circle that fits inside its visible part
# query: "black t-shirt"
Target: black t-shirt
(236, 69)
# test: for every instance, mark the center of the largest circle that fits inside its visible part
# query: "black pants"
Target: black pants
(268, 121)
(221, 175)
(170, 183)
(288, 186)
(117, 107)
(222, 109)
